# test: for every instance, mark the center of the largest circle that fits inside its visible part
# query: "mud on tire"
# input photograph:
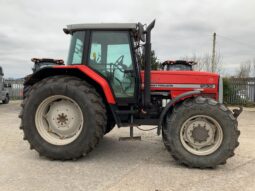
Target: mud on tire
(90, 104)
(195, 107)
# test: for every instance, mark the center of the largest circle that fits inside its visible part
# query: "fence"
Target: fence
(241, 91)
(16, 89)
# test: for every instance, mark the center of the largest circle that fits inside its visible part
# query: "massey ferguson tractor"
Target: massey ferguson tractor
(67, 109)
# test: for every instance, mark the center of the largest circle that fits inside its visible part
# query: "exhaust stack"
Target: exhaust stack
(147, 68)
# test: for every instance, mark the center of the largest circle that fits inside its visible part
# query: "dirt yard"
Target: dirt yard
(114, 165)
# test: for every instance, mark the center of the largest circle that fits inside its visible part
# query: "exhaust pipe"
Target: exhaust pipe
(147, 68)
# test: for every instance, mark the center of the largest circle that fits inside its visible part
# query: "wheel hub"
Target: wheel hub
(59, 119)
(63, 118)
(201, 135)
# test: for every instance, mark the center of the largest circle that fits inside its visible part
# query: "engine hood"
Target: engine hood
(182, 77)
(177, 82)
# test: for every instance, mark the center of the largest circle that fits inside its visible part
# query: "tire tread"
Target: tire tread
(100, 115)
(168, 140)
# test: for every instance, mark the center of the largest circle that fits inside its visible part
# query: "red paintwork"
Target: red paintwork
(93, 75)
(159, 77)
(183, 77)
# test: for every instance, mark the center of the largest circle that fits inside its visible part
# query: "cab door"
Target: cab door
(110, 54)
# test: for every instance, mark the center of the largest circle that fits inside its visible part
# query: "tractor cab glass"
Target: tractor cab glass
(177, 67)
(110, 55)
(76, 48)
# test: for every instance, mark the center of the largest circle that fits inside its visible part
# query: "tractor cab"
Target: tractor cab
(108, 49)
(113, 51)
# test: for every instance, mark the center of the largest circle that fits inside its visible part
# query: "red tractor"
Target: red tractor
(67, 109)
(177, 65)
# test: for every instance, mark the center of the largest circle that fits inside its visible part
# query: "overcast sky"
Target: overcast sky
(33, 28)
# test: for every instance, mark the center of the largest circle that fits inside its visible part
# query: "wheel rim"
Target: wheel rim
(201, 135)
(59, 120)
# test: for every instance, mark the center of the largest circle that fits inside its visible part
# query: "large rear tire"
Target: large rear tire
(63, 117)
(201, 133)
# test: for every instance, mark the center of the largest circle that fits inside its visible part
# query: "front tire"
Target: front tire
(63, 117)
(201, 133)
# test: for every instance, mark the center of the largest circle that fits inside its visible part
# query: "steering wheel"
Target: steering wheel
(118, 64)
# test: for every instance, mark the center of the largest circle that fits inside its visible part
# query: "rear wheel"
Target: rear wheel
(59, 120)
(63, 117)
(201, 133)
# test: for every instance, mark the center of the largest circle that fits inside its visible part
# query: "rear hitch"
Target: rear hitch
(237, 112)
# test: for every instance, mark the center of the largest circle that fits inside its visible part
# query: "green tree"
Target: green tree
(227, 90)
(154, 61)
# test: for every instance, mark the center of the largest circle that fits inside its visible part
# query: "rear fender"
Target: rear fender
(80, 71)
(171, 104)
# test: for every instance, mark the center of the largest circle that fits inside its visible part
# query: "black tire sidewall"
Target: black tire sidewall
(184, 113)
(86, 106)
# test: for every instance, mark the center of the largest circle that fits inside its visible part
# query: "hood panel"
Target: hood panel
(178, 82)
(182, 77)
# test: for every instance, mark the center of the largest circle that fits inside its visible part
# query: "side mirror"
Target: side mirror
(7, 85)
(141, 32)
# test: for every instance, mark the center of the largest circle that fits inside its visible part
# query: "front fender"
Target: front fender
(171, 104)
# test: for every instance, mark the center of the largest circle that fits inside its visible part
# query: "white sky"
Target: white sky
(33, 28)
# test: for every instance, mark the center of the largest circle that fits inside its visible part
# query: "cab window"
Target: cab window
(110, 55)
(76, 48)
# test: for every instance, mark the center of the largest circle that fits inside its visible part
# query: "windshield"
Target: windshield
(177, 67)
(76, 48)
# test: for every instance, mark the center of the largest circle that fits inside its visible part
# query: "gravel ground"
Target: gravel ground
(114, 165)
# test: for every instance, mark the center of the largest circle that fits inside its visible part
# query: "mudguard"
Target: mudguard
(76, 71)
(171, 103)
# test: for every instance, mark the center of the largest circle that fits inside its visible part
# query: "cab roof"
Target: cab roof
(77, 27)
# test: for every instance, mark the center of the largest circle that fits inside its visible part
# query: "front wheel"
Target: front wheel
(201, 133)
(63, 117)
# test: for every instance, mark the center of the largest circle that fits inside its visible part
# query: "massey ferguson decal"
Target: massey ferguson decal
(183, 85)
